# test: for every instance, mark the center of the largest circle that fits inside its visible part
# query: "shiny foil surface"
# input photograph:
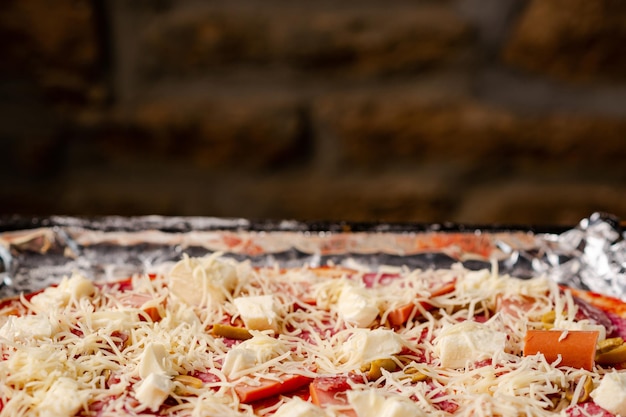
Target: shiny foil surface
(37, 252)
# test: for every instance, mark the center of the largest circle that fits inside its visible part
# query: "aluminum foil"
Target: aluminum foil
(37, 252)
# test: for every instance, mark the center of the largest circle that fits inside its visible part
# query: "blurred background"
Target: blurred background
(470, 111)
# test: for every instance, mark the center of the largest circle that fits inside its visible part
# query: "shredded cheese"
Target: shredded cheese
(119, 349)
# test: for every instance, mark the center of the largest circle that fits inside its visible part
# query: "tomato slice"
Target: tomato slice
(268, 388)
(401, 315)
(331, 390)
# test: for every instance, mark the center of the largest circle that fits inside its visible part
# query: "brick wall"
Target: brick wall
(490, 111)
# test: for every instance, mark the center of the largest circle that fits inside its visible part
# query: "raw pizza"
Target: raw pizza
(216, 337)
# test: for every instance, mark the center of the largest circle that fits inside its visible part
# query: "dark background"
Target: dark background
(472, 111)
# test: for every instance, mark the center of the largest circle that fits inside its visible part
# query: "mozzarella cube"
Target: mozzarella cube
(299, 408)
(366, 403)
(154, 390)
(238, 360)
(468, 342)
(369, 403)
(258, 312)
(153, 360)
(202, 281)
(400, 407)
(356, 306)
(78, 287)
(51, 298)
(264, 346)
(610, 393)
(257, 350)
(64, 398)
(366, 345)
(74, 288)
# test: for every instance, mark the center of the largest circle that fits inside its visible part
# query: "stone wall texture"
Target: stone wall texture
(481, 112)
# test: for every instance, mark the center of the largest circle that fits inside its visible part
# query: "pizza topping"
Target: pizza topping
(154, 390)
(609, 344)
(357, 306)
(24, 328)
(203, 281)
(153, 360)
(69, 290)
(402, 314)
(370, 403)
(330, 391)
(64, 398)
(587, 409)
(299, 408)
(610, 393)
(387, 343)
(252, 355)
(373, 370)
(584, 325)
(231, 332)
(548, 320)
(187, 384)
(414, 374)
(266, 388)
(467, 342)
(580, 392)
(619, 324)
(612, 353)
(150, 308)
(327, 292)
(258, 312)
(569, 316)
(366, 345)
(563, 348)
(587, 311)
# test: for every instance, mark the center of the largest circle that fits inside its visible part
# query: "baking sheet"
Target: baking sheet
(37, 252)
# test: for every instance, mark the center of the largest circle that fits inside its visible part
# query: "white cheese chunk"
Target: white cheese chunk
(68, 289)
(238, 360)
(257, 350)
(366, 345)
(467, 342)
(202, 281)
(51, 298)
(78, 286)
(154, 390)
(369, 403)
(64, 398)
(153, 360)
(356, 306)
(401, 407)
(299, 408)
(610, 393)
(258, 312)
(26, 327)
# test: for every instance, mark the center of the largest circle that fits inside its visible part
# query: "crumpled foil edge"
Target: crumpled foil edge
(35, 253)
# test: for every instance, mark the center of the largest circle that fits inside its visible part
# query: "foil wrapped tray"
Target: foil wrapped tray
(37, 252)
